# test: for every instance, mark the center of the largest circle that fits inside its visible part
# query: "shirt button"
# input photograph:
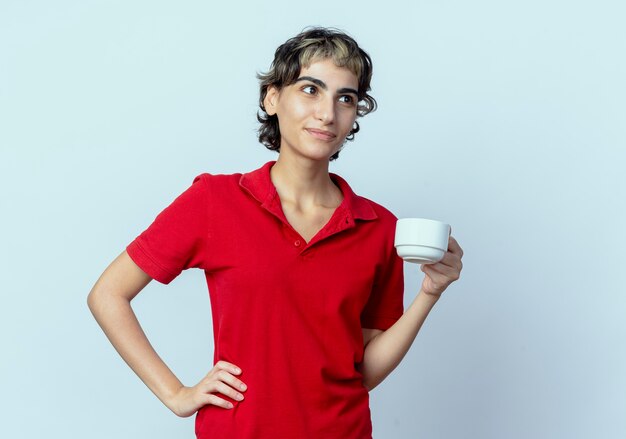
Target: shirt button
(297, 243)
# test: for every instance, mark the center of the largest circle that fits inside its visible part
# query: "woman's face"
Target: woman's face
(317, 112)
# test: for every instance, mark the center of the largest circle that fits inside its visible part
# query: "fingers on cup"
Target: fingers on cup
(431, 269)
(441, 269)
(454, 247)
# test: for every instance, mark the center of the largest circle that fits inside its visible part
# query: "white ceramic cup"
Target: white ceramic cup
(420, 240)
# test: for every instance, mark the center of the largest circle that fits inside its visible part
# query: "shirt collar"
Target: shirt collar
(259, 184)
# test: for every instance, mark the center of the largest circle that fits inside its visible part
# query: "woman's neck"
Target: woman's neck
(304, 183)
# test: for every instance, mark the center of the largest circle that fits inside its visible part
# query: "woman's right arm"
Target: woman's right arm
(109, 302)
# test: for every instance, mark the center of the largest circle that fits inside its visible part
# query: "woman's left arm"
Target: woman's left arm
(385, 349)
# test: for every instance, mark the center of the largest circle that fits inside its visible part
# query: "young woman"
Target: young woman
(306, 288)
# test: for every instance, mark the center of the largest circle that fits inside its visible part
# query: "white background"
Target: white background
(505, 119)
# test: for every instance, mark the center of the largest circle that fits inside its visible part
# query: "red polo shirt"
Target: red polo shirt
(289, 313)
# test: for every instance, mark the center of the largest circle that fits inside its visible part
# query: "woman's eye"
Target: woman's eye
(347, 99)
(309, 89)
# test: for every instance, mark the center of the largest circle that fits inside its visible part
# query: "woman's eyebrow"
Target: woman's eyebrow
(323, 85)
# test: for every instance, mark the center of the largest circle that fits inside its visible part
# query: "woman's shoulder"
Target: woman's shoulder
(209, 177)
(218, 182)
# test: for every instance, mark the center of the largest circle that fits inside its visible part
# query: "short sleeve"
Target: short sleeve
(176, 240)
(386, 302)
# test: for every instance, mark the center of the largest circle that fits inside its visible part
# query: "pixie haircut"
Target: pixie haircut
(311, 45)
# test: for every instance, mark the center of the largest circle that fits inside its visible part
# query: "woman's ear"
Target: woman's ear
(271, 98)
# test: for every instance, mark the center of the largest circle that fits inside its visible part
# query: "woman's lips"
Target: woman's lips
(320, 134)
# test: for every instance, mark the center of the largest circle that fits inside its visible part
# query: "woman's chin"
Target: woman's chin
(311, 153)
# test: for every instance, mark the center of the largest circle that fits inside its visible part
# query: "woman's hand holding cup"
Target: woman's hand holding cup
(430, 243)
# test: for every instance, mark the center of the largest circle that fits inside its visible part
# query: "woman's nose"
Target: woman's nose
(325, 110)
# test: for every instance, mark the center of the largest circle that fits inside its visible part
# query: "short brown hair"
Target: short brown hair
(310, 45)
